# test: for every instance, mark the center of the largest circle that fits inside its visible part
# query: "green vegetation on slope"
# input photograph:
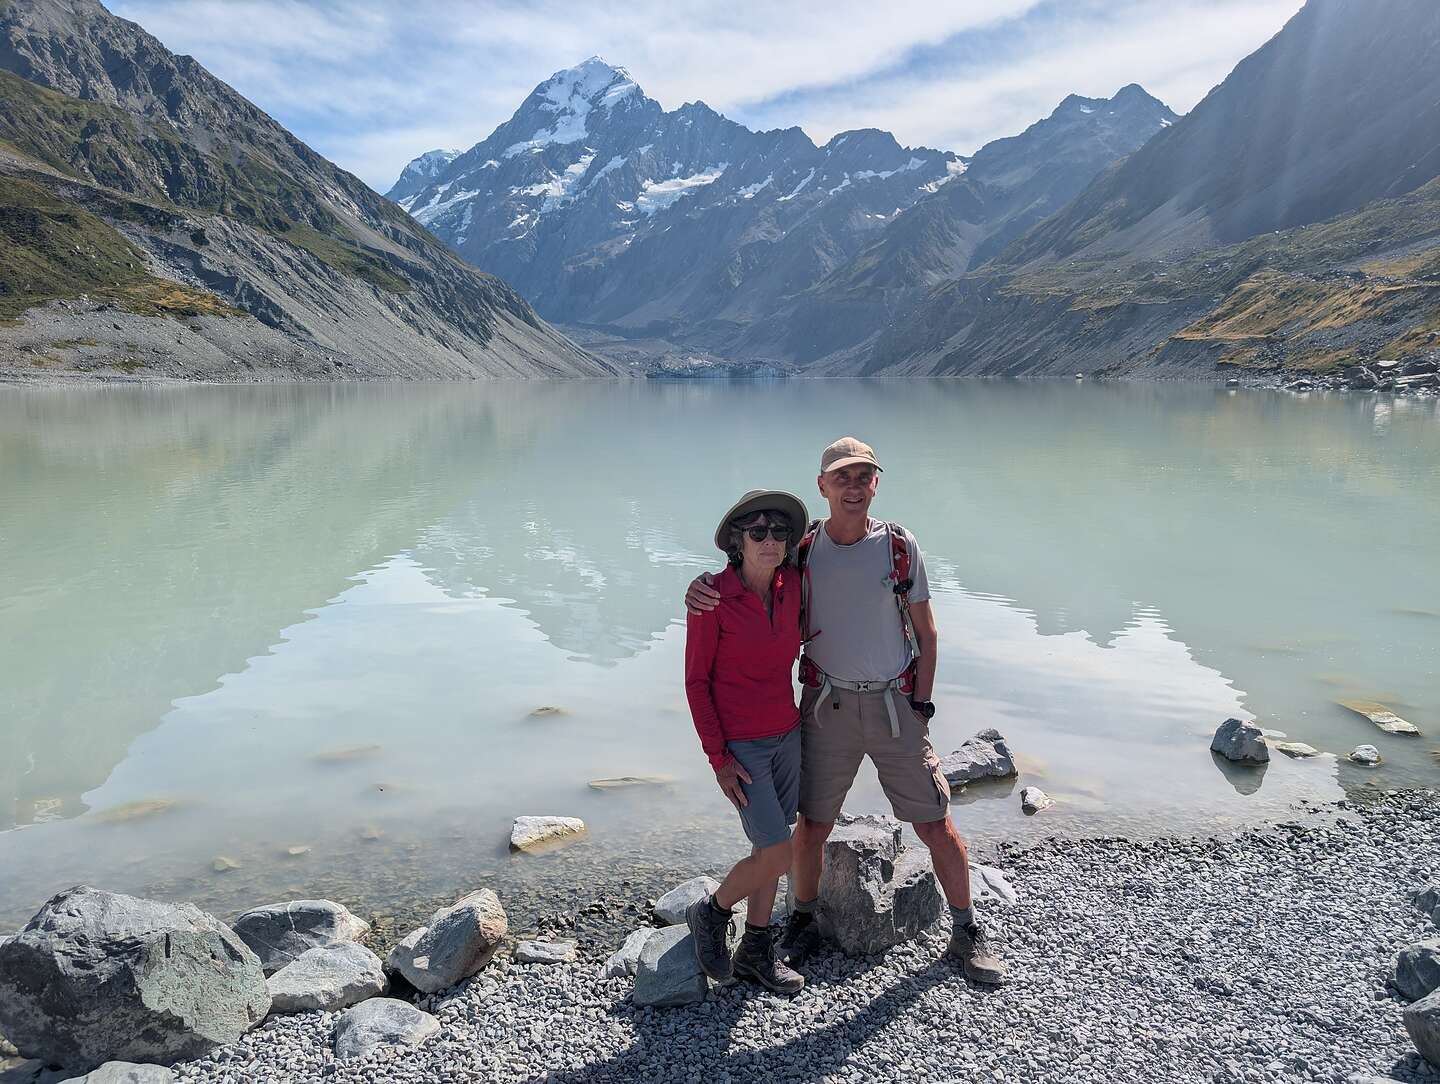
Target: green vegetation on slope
(149, 160)
(51, 249)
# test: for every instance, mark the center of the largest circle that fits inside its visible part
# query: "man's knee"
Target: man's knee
(938, 834)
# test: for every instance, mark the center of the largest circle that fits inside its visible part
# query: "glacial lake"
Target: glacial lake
(303, 631)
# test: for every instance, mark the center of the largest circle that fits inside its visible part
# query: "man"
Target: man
(868, 671)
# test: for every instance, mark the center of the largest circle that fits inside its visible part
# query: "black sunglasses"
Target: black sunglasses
(777, 531)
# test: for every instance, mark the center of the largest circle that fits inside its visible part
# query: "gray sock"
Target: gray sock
(962, 916)
(807, 906)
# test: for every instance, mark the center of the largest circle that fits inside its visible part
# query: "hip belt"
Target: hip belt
(813, 676)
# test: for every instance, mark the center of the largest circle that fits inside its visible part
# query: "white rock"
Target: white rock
(544, 952)
(381, 1021)
(1033, 800)
(670, 908)
(988, 883)
(1381, 716)
(1297, 749)
(125, 1072)
(328, 978)
(1367, 755)
(544, 833)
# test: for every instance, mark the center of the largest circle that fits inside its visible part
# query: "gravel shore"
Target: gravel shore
(1257, 957)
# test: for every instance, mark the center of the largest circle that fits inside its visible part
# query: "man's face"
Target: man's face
(850, 489)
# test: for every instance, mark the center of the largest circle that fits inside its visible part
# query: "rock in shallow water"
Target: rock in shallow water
(1034, 800)
(1366, 755)
(544, 833)
(1240, 741)
(668, 972)
(985, 756)
(99, 976)
(1381, 716)
(1298, 750)
(458, 942)
(328, 978)
(280, 933)
(671, 907)
(381, 1021)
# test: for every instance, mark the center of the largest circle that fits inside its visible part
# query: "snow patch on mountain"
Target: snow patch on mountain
(748, 192)
(558, 188)
(799, 187)
(867, 174)
(953, 168)
(658, 195)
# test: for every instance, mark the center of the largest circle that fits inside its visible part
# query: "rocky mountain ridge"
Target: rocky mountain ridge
(126, 170)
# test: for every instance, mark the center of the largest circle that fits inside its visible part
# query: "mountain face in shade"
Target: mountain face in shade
(1340, 108)
(603, 208)
(175, 178)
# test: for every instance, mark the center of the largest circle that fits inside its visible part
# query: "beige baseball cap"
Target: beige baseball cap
(846, 451)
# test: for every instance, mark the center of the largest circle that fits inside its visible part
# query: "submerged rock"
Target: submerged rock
(623, 782)
(99, 976)
(457, 943)
(1240, 741)
(985, 756)
(280, 933)
(544, 833)
(874, 893)
(1298, 750)
(671, 907)
(1381, 716)
(328, 978)
(378, 1022)
(668, 972)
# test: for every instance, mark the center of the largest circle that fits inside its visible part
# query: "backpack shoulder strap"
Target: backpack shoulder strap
(802, 558)
(901, 582)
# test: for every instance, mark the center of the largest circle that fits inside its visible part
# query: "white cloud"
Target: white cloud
(373, 84)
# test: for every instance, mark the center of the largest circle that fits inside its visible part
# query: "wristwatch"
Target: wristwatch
(924, 708)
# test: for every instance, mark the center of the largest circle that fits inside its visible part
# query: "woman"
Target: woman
(738, 663)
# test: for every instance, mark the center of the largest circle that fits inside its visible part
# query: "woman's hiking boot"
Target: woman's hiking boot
(800, 939)
(756, 959)
(971, 946)
(710, 930)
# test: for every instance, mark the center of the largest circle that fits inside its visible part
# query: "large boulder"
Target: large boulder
(125, 1072)
(671, 907)
(381, 1021)
(458, 942)
(98, 976)
(1415, 971)
(669, 972)
(281, 933)
(1422, 1021)
(985, 756)
(1428, 900)
(534, 834)
(626, 959)
(1241, 741)
(874, 893)
(328, 978)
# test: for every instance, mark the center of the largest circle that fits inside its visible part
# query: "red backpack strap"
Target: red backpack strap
(901, 583)
(802, 558)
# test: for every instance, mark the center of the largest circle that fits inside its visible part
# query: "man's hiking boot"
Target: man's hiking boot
(756, 959)
(800, 939)
(710, 930)
(971, 946)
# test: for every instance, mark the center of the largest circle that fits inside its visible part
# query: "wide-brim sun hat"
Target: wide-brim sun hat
(760, 499)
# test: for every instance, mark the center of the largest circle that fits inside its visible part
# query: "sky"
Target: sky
(370, 84)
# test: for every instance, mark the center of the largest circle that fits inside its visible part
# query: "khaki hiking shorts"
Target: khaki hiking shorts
(847, 728)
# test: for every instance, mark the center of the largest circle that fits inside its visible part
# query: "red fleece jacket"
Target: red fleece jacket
(738, 663)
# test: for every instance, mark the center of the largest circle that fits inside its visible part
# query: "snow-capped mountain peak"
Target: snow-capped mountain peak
(420, 172)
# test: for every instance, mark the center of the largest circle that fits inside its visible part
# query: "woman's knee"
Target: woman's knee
(775, 859)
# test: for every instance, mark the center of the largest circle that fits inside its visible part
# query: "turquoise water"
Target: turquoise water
(244, 620)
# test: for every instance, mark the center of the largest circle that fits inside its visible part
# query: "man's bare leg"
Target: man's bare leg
(801, 937)
(969, 942)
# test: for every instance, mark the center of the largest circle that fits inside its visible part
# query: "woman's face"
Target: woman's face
(769, 551)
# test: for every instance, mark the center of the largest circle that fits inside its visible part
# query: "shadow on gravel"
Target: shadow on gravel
(814, 1053)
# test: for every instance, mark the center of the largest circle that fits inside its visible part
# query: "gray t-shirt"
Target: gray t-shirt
(854, 622)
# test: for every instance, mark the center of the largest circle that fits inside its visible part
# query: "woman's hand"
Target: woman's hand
(728, 776)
